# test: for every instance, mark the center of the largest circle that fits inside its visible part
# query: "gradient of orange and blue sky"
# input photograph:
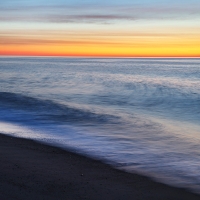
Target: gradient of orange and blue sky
(100, 28)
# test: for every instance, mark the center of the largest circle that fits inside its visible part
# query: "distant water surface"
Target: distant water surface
(140, 115)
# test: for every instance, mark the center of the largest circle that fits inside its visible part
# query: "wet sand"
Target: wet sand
(31, 170)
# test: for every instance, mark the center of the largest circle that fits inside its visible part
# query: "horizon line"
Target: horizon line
(103, 57)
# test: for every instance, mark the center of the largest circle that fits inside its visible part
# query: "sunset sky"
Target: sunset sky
(111, 28)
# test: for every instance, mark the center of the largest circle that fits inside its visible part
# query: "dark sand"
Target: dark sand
(30, 170)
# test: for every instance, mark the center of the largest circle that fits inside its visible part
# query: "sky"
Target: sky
(106, 28)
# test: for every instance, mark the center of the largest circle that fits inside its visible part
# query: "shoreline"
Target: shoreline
(33, 170)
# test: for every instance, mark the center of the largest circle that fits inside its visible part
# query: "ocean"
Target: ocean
(137, 114)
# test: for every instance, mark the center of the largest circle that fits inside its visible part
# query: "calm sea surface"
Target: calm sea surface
(140, 115)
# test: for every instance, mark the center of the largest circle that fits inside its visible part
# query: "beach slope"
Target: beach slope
(30, 170)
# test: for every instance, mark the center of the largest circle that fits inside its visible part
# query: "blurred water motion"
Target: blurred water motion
(138, 114)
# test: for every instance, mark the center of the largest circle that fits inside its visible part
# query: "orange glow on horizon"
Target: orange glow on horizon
(102, 47)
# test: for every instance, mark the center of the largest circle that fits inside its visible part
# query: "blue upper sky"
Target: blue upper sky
(91, 11)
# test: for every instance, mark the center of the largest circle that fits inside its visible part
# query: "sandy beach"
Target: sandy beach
(30, 170)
